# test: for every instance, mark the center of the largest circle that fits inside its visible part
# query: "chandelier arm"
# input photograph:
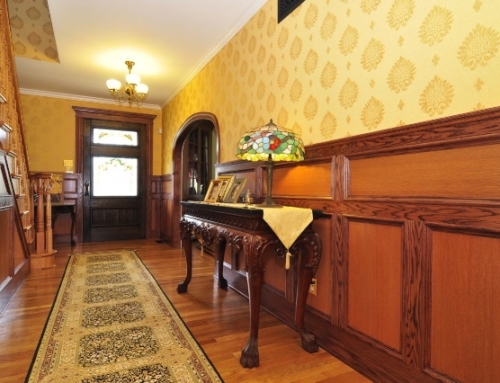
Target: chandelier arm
(128, 91)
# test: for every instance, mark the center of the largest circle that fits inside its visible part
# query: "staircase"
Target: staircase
(16, 205)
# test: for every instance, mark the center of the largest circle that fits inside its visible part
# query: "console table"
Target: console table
(245, 230)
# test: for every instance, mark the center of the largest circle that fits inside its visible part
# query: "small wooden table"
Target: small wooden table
(65, 208)
(245, 230)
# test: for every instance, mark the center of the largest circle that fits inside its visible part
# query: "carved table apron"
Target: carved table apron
(245, 230)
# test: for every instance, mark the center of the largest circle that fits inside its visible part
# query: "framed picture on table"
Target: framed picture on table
(213, 191)
(227, 183)
(235, 191)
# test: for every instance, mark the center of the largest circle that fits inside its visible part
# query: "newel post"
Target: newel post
(44, 255)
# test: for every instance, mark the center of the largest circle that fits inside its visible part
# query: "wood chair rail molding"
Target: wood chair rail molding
(479, 128)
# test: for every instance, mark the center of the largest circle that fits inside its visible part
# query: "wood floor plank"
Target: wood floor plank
(219, 320)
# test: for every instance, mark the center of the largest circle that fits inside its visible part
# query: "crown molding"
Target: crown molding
(66, 96)
(239, 23)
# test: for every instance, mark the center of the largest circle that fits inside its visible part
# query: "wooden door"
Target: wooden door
(114, 180)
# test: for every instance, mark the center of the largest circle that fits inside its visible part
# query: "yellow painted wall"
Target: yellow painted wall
(335, 68)
(49, 127)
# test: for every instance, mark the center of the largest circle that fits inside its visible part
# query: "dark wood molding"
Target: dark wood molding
(111, 115)
(182, 134)
(84, 114)
(479, 128)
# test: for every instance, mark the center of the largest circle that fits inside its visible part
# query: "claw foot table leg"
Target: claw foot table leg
(250, 354)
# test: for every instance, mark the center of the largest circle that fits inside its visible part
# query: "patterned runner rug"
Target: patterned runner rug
(111, 322)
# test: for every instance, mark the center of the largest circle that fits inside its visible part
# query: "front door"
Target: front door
(114, 180)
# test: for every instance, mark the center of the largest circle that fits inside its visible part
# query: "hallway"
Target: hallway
(217, 318)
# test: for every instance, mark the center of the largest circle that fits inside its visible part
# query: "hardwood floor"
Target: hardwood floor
(217, 318)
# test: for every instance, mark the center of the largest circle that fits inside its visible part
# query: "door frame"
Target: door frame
(177, 180)
(82, 114)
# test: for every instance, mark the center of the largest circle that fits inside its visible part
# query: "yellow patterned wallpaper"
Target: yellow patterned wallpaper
(336, 68)
(32, 32)
(49, 127)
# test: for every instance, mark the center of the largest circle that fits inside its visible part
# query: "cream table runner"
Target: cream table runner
(287, 223)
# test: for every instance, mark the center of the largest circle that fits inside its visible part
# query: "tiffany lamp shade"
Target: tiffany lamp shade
(270, 143)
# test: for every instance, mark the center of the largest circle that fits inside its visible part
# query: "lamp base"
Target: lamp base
(266, 205)
(269, 202)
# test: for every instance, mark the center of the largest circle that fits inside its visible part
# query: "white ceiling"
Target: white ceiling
(169, 40)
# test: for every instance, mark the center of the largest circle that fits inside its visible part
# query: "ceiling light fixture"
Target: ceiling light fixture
(133, 91)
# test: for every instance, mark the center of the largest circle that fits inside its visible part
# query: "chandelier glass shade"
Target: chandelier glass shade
(270, 143)
(132, 91)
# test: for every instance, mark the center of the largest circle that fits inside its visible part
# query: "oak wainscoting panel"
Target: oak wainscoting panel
(375, 280)
(321, 301)
(288, 181)
(408, 285)
(154, 207)
(466, 172)
(167, 227)
(465, 306)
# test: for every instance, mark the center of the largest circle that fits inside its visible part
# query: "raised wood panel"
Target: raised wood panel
(289, 181)
(375, 281)
(468, 173)
(323, 298)
(115, 216)
(70, 182)
(5, 256)
(19, 259)
(275, 275)
(166, 222)
(465, 306)
(154, 208)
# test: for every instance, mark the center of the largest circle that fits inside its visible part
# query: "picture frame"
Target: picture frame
(57, 189)
(227, 182)
(235, 191)
(213, 191)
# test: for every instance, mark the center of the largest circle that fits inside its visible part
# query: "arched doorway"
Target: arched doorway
(207, 121)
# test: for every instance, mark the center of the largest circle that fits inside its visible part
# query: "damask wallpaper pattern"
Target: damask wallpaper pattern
(49, 124)
(32, 32)
(335, 68)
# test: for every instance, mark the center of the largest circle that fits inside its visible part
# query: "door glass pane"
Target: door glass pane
(114, 137)
(114, 176)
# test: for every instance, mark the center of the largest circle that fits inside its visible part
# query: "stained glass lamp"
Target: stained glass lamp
(270, 143)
